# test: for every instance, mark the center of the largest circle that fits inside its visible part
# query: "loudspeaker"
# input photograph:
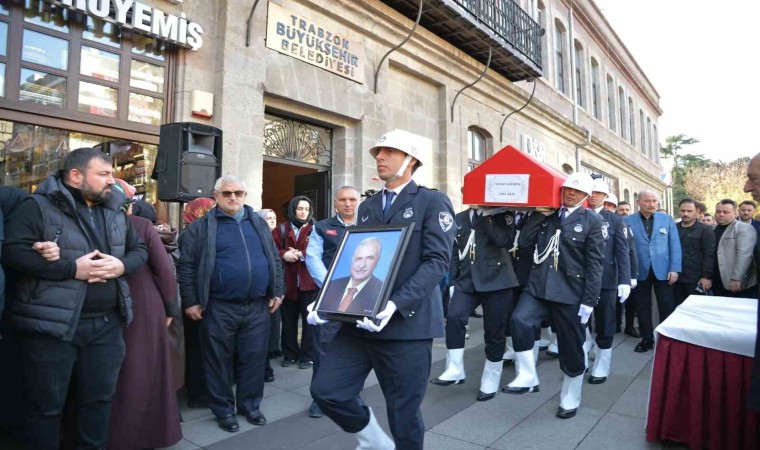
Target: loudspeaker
(189, 161)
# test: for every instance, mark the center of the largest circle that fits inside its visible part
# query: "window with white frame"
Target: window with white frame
(631, 122)
(596, 88)
(476, 147)
(621, 106)
(580, 94)
(611, 103)
(650, 147)
(643, 128)
(559, 56)
(656, 138)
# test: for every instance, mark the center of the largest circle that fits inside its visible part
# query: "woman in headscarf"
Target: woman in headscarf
(195, 379)
(145, 413)
(275, 319)
(292, 238)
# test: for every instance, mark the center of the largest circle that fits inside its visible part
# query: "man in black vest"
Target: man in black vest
(230, 278)
(69, 313)
(323, 244)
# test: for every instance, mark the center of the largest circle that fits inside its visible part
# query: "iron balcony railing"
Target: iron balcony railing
(499, 28)
(510, 22)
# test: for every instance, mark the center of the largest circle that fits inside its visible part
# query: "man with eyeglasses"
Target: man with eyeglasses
(231, 280)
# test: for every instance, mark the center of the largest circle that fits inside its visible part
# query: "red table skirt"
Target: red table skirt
(698, 397)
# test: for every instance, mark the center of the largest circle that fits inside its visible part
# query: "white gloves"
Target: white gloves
(492, 210)
(383, 316)
(451, 292)
(623, 292)
(634, 282)
(585, 313)
(313, 317)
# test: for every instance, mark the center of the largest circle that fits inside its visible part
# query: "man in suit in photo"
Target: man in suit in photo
(747, 214)
(659, 260)
(735, 243)
(357, 294)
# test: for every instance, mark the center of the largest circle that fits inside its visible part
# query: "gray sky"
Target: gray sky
(702, 58)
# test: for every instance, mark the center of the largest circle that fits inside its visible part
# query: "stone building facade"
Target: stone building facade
(286, 120)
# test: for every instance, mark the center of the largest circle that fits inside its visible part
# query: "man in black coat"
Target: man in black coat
(698, 250)
(616, 280)
(69, 313)
(231, 279)
(481, 273)
(564, 284)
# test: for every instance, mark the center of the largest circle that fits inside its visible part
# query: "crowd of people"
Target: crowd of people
(111, 320)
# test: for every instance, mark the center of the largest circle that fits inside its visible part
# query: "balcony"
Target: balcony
(475, 25)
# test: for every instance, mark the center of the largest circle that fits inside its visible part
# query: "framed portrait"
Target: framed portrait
(363, 271)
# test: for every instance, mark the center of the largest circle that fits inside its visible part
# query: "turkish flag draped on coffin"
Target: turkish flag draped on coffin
(513, 178)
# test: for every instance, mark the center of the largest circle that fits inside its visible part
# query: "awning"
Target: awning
(513, 178)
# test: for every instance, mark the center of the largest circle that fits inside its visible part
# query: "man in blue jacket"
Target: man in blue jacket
(399, 347)
(659, 259)
(230, 279)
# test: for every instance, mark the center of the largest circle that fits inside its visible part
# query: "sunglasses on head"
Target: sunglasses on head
(228, 194)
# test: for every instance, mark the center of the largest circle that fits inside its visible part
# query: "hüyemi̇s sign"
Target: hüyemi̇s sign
(144, 19)
(321, 46)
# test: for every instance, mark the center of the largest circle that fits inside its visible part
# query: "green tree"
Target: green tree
(682, 163)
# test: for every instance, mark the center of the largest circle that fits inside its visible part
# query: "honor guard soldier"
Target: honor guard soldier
(481, 273)
(399, 348)
(564, 284)
(616, 280)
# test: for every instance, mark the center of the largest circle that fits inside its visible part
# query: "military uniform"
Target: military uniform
(400, 353)
(565, 281)
(617, 271)
(482, 274)
(629, 306)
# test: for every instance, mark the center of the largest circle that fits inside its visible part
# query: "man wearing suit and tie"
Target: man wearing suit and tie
(399, 348)
(658, 248)
(564, 284)
(357, 294)
(481, 273)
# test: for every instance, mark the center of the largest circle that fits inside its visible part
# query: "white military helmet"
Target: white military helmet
(611, 198)
(402, 140)
(580, 181)
(601, 186)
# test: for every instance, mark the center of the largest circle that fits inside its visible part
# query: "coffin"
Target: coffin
(513, 178)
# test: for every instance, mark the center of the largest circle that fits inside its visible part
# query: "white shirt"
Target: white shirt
(397, 190)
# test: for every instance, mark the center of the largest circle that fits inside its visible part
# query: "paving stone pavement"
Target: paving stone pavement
(611, 415)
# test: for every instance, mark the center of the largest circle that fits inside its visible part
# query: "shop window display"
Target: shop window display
(29, 153)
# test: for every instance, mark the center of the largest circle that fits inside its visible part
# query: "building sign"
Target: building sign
(141, 18)
(507, 188)
(533, 147)
(321, 46)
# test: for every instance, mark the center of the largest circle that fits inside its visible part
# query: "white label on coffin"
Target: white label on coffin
(511, 188)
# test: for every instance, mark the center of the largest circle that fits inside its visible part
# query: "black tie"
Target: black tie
(389, 195)
(562, 213)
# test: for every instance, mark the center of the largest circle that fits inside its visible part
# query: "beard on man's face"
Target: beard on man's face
(95, 196)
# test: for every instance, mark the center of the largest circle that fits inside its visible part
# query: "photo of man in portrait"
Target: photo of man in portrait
(359, 292)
